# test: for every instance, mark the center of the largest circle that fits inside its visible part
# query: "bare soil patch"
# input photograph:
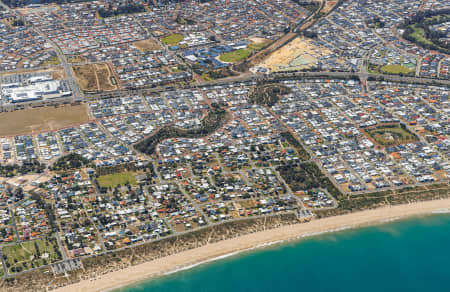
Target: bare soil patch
(298, 54)
(94, 77)
(59, 74)
(34, 120)
(258, 40)
(147, 45)
(329, 5)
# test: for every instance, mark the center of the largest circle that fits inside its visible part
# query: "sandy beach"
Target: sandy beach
(219, 249)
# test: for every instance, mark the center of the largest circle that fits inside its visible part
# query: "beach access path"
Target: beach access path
(223, 248)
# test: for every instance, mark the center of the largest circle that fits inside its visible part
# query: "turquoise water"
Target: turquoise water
(411, 255)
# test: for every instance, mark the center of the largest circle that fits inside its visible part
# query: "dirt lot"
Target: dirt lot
(328, 6)
(94, 77)
(147, 45)
(59, 74)
(300, 53)
(258, 40)
(104, 77)
(75, 59)
(41, 119)
(261, 55)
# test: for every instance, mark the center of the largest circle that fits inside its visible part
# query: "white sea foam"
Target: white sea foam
(441, 211)
(262, 245)
(190, 266)
(390, 219)
(310, 234)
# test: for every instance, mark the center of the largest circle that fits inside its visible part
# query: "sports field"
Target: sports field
(41, 119)
(116, 179)
(235, 56)
(396, 69)
(172, 39)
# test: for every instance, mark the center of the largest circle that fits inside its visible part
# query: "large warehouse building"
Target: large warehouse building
(30, 87)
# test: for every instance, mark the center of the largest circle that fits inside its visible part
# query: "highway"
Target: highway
(267, 78)
(247, 77)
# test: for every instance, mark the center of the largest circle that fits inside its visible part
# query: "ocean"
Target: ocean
(407, 255)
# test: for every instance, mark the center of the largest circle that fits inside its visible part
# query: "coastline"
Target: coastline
(229, 247)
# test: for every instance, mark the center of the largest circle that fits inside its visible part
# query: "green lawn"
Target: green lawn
(172, 39)
(396, 69)
(31, 254)
(235, 56)
(242, 54)
(206, 77)
(392, 135)
(116, 179)
(256, 47)
(415, 31)
(419, 35)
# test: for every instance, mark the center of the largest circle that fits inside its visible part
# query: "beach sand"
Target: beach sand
(220, 249)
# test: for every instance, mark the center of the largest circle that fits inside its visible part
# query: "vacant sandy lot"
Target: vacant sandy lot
(94, 77)
(59, 74)
(328, 6)
(258, 40)
(147, 45)
(42, 119)
(300, 53)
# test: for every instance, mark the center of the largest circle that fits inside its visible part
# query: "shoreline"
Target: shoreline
(223, 249)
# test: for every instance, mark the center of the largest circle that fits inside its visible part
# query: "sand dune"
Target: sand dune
(216, 250)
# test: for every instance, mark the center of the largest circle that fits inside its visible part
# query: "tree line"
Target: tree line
(268, 94)
(70, 161)
(127, 8)
(306, 176)
(30, 166)
(213, 121)
(423, 20)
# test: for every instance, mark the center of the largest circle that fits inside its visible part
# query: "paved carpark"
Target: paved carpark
(66, 266)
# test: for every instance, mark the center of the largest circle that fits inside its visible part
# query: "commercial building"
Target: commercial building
(16, 89)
